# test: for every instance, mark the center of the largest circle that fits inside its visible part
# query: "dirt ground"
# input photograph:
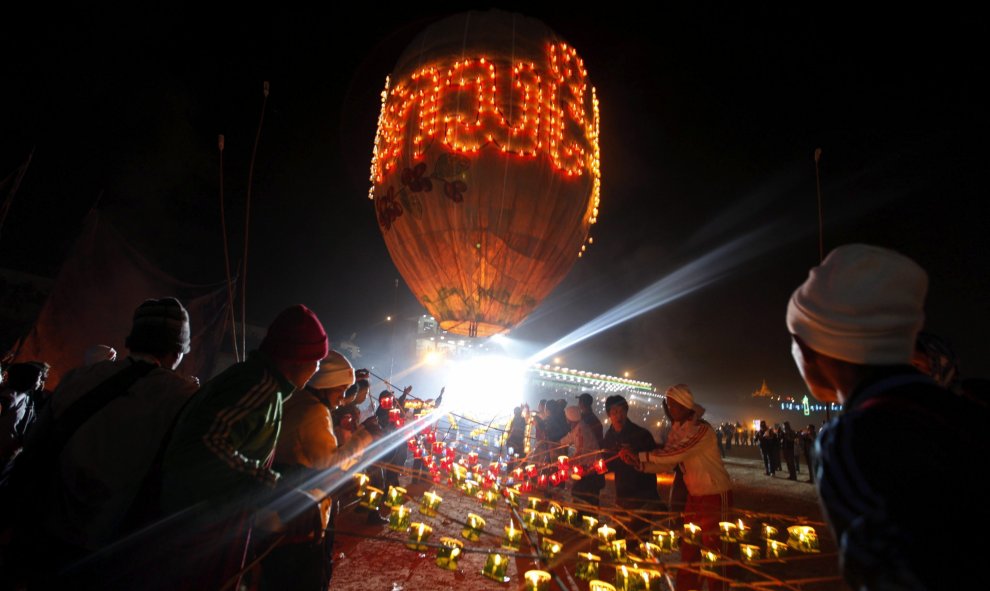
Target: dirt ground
(373, 557)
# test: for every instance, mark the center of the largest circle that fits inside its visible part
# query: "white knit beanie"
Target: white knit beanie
(573, 413)
(681, 394)
(335, 370)
(864, 305)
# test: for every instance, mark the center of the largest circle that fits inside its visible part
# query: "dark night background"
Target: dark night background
(710, 119)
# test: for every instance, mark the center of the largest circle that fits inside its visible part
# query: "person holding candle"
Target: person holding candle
(396, 455)
(307, 449)
(692, 444)
(902, 519)
(634, 489)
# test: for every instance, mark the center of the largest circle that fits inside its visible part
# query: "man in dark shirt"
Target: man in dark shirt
(634, 490)
(588, 415)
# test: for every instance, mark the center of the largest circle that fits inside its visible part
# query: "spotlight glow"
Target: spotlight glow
(486, 386)
(689, 278)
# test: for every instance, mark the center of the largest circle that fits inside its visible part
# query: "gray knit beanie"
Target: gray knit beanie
(160, 326)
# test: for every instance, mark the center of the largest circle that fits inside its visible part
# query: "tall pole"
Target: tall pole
(247, 221)
(821, 224)
(821, 240)
(392, 319)
(226, 259)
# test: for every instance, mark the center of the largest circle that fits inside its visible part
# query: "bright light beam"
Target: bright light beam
(487, 385)
(691, 277)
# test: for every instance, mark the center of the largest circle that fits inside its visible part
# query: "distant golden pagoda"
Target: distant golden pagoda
(764, 391)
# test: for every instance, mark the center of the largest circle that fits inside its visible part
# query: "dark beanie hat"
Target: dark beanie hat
(160, 326)
(296, 335)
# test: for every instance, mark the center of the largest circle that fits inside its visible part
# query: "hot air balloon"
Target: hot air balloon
(485, 174)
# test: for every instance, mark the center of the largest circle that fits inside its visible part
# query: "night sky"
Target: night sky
(710, 120)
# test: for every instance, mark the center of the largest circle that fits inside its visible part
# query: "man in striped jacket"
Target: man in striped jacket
(692, 444)
(216, 472)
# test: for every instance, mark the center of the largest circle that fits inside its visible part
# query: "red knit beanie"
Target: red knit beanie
(296, 335)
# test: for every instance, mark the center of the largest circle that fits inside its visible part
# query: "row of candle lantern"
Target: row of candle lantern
(800, 537)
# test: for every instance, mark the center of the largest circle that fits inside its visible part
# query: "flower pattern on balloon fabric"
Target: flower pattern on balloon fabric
(454, 190)
(388, 208)
(414, 179)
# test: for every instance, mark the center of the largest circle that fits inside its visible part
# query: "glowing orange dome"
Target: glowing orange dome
(485, 174)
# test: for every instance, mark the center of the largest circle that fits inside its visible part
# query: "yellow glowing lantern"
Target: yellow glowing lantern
(775, 549)
(362, 482)
(649, 579)
(742, 531)
(458, 473)
(588, 524)
(650, 551)
(486, 167)
(475, 525)
(512, 537)
(536, 580)
(768, 531)
(606, 535)
(570, 516)
(448, 553)
(396, 496)
(727, 531)
(418, 534)
(587, 566)
(802, 538)
(708, 559)
(431, 501)
(534, 503)
(617, 550)
(544, 523)
(372, 498)
(470, 487)
(597, 585)
(489, 500)
(530, 519)
(692, 534)
(623, 578)
(666, 540)
(495, 567)
(399, 518)
(749, 552)
(550, 548)
(512, 496)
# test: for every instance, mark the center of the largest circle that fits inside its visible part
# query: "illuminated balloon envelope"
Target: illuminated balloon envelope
(485, 174)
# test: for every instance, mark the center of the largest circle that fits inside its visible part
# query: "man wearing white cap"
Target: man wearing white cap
(692, 445)
(901, 511)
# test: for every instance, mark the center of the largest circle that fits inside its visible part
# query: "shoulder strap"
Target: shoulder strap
(47, 447)
(23, 476)
(91, 402)
(146, 505)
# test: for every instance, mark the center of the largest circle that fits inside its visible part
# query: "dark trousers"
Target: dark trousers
(790, 459)
(305, 566)
(768, 465)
